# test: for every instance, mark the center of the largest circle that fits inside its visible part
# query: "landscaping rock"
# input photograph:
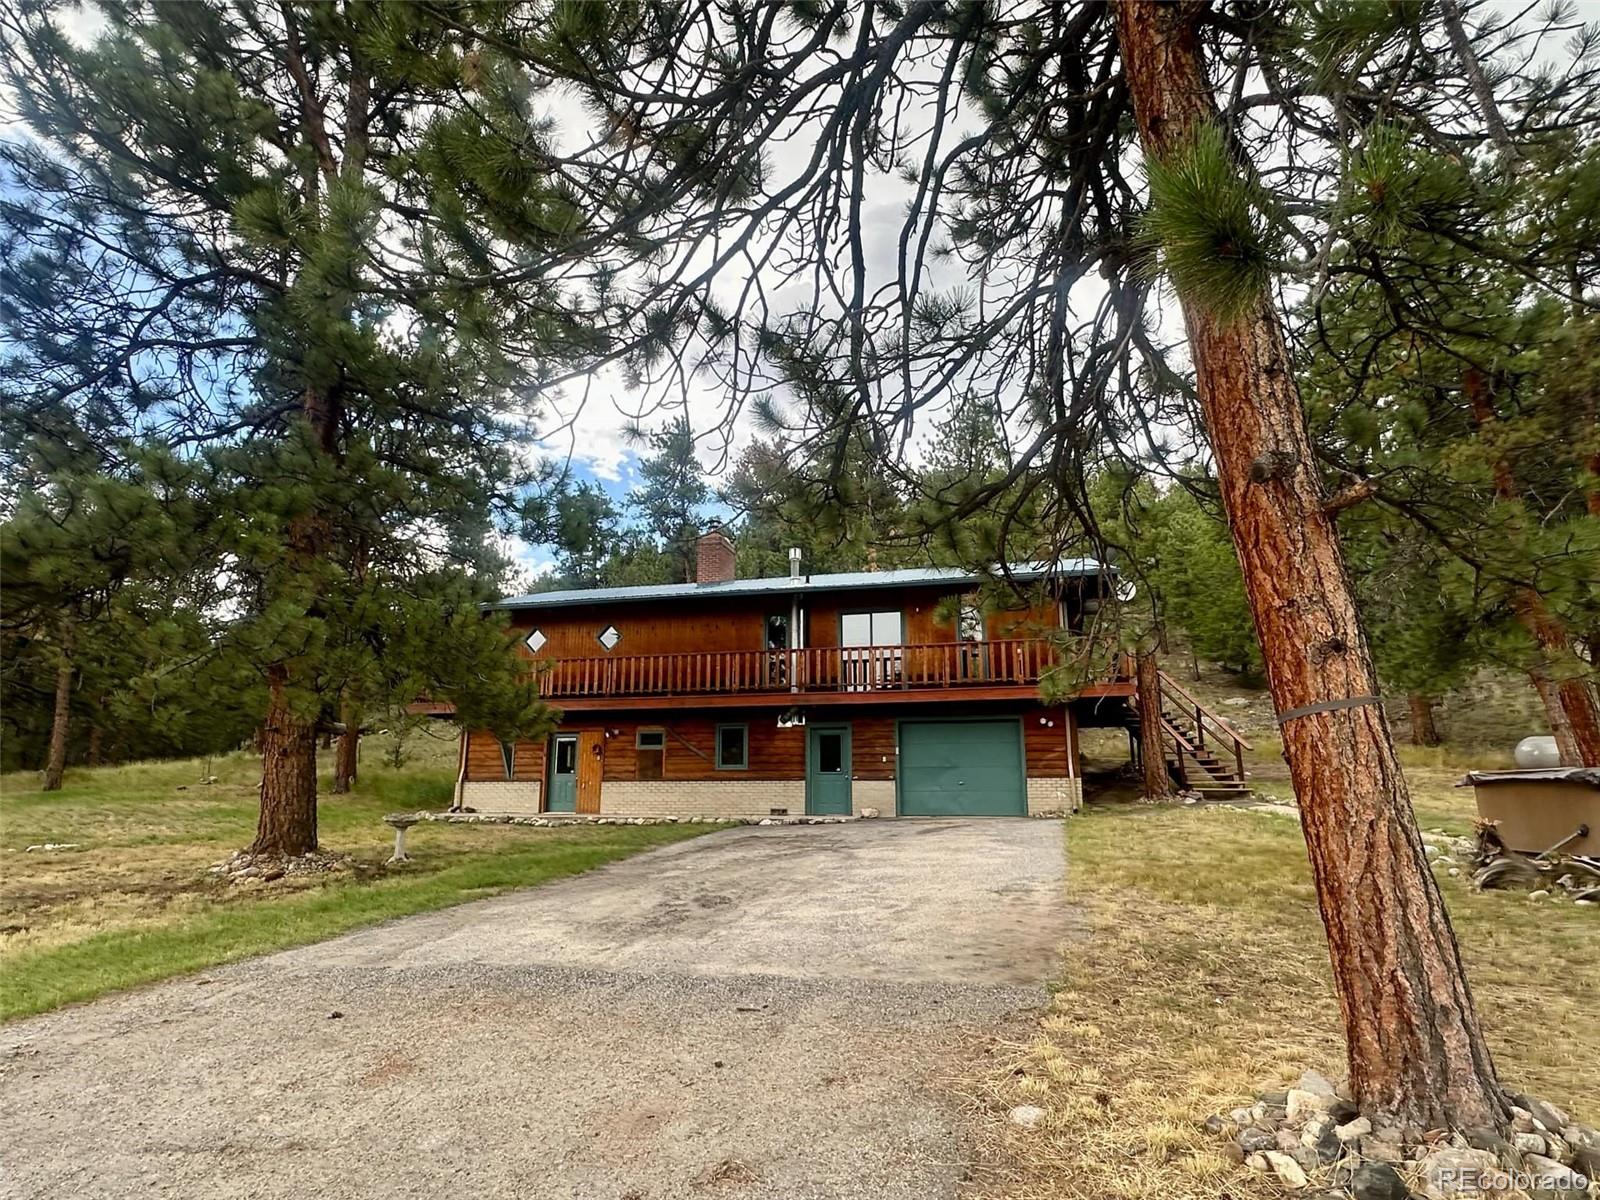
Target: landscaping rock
(1318, 1084)
(1521, 1119)
(1353, 1130)
(1304, 1104)
(1258, 1162)
(1028, 1116)
(1376, 1150)
(1289, 1172)
(1484, 1139)
(1377, 1181)
(1255, 1140)
(1453, 1172)
(1232, 1152)
(1584, 1145)
(1552, 1118)
(1529, 1143)
(1214, 1125)
(1326, 1145)
(1287, 1141)
(1342, 1111)
(1309, 1162)
(1557, 1179)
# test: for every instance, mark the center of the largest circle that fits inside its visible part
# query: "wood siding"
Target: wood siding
(773, 753)
(649, 628)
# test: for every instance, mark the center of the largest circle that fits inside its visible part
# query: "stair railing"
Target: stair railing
(1221, 732)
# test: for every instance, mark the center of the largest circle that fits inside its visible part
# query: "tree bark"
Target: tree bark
(1569, 702)
(1415, 1048)
(288, 820)
(1424, 732)
(347, 760)
(55, 763)
(96, 742)
(1157, 785)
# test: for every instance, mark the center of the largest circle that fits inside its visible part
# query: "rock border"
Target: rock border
(1313, 1141)
(548, 820)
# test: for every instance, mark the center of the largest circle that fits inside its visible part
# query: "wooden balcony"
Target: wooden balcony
(1000, 669)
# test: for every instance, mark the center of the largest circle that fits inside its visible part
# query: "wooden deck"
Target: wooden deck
(991, 670)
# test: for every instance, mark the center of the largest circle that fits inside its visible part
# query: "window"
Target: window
(566, 756)
(733, 748)
(651, 745)
(830, 753)
(508, 758)
(609, 637)
(778, 631)
(869, 629)
(535, 641)
(971, 623)
(864, 667)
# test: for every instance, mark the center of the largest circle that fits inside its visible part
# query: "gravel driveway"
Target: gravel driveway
(757, 1013)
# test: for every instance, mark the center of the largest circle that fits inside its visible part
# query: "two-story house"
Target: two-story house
(796, 695)
(804, 694)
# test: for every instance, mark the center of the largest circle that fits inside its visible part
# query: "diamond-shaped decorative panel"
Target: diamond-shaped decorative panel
(535, 641)
(609, 637)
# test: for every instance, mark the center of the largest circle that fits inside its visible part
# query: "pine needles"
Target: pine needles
(1208, 225)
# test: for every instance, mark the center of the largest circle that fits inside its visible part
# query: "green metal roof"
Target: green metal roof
(786, 585)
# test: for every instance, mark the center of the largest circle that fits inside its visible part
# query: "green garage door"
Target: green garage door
(962, 768)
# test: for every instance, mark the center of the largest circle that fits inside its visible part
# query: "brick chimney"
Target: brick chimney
(713, 557)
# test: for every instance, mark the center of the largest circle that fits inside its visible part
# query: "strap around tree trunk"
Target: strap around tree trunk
(1307, 710)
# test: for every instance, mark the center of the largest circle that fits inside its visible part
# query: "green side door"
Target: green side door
(562, 795)
(828, 771)
(962, 769)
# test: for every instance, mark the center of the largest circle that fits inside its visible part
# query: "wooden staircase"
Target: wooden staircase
(1202, 751)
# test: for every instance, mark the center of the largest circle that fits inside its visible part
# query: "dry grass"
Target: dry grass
(132, 901)
(1200, 978)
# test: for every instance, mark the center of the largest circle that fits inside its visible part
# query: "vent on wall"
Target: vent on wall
(609, 637)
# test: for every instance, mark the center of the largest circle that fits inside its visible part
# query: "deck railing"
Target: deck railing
(999, 663)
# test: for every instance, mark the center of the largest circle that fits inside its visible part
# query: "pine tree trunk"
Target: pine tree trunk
(288, 742)
(1569, 702)
(1415, 1048)
(288, 819)
(1157, 786)
(1424, 731)
(96, 742)
(347, 760)
(55, 763)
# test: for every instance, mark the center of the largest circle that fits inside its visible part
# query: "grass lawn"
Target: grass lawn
(1199, 976)
(132, 901)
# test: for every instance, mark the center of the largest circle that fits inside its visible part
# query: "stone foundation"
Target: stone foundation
(1054, 797)
(872, 793)
(703, 798)
(509, 796)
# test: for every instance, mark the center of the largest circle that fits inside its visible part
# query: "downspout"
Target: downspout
(796, 637)
(461, 767)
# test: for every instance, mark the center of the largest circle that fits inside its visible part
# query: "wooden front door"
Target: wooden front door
(591, 765)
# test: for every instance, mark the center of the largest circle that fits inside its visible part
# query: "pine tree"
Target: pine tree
(671, 496)
(294, 243)
(69, 551)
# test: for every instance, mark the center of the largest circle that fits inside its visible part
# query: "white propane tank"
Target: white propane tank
(1537, 752)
